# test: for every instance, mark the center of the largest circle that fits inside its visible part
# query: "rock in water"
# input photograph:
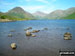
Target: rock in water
(9, 35)
(28, 33)
(29, 27)
(33, 35)
(25, 29)
(45, 28)
(34, 31)
(67, 36)
(68, 28)
(12, 31)
(13, 45)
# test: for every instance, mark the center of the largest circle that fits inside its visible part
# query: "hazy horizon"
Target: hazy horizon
(32, 6)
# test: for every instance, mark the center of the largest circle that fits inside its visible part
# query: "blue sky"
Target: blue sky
(32, 6)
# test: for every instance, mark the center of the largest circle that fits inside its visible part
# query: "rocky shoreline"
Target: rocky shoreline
(6, 20)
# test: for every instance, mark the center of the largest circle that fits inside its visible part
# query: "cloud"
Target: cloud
(42, 8)
(33, 8)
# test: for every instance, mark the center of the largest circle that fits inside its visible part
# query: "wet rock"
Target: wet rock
(13, 45)
(25, 29)
(28, 33)
(67, 36)
(45, 28)
(34, 31)
(33, 35)
(9, 35)
(68, 28)
(12, 31)
(29, 27)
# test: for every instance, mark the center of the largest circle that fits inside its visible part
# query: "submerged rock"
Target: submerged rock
(67, 36)
(25, 29)
(28, 33)
(13, 45)
(28, 28)
(12, 31)
(45, 28)
(34, 31)
(68, 28)
(33, 35)
(9, 35)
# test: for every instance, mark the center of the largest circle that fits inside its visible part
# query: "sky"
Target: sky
(32, 6)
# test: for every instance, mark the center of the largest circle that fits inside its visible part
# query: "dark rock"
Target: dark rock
(34, 31)
(67, 36)
(9, 35)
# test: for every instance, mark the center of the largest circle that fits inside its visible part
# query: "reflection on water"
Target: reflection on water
(46, 43)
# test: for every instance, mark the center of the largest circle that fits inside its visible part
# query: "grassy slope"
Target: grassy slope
(71, 16)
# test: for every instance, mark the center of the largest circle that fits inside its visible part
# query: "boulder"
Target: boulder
(9, 35)
(13, 45)
(67, 36)
(12, 31)
(29, 27)
(34, 31)
(33, 35)
(45, 28)
(28, 33)
(25, 29)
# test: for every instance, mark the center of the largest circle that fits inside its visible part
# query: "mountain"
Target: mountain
(19, 13)
(39, 14)
(60, 14)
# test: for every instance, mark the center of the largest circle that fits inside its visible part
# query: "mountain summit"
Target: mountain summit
(18, 12)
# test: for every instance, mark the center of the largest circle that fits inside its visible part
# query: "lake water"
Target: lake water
(46, 43)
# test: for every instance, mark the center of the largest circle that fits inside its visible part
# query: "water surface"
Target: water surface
(46, 43)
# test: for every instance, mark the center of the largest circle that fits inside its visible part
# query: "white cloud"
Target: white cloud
(48, 9)
(42, 8)
(33, 8)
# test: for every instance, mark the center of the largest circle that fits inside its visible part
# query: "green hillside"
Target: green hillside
(71, 16)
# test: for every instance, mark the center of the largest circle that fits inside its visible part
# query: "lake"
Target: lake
(46, 43)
